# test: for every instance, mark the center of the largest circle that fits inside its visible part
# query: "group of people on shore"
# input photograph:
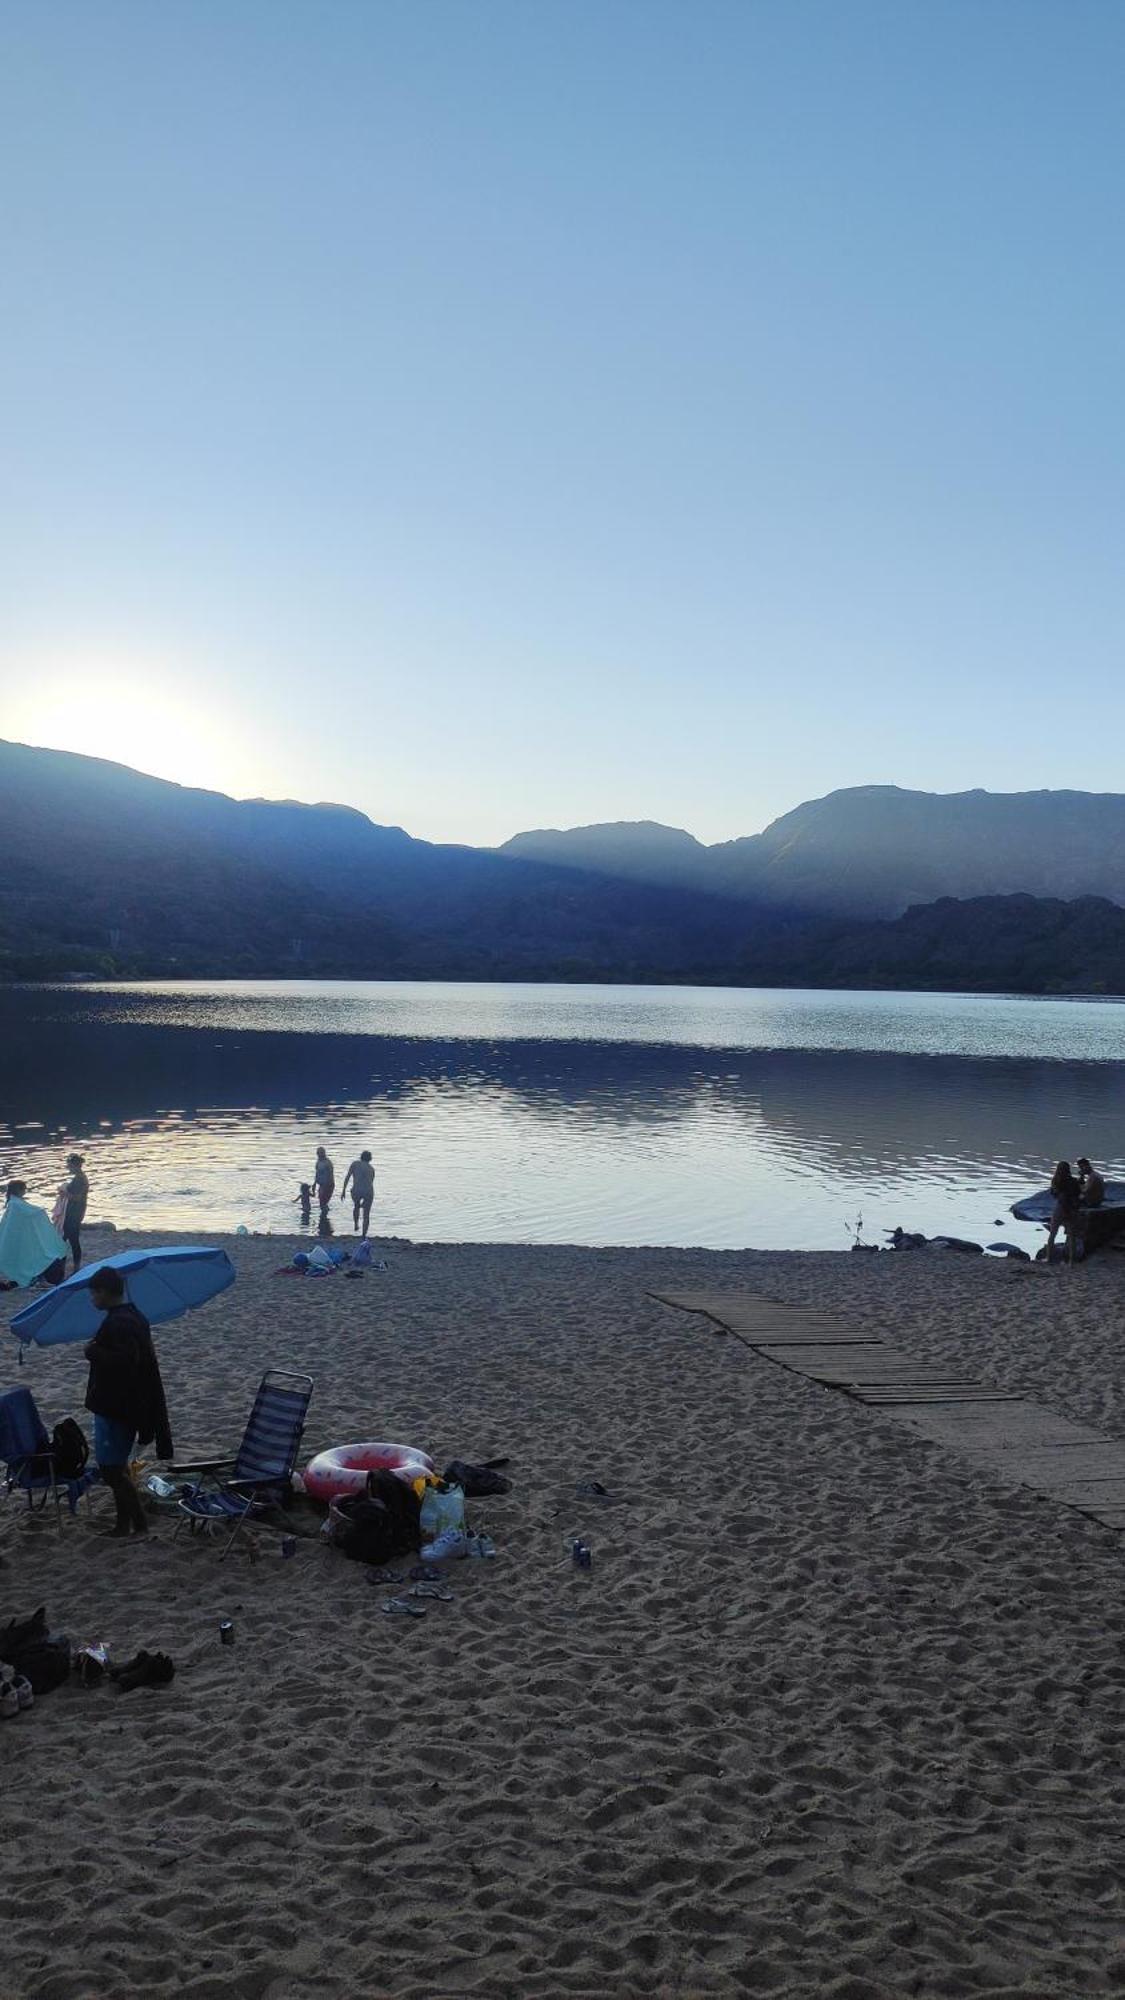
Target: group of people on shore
(124, 1392)
(34, 1244)
(1075, 1195)
(360, 1177)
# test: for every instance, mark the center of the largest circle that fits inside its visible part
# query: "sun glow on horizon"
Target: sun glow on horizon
(131, 716)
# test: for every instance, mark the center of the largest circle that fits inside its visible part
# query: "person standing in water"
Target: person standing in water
(324, 1180)
(125, 1396)
(361, 1174)
(74, 1214)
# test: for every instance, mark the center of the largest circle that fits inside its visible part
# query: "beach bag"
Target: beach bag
(69, 1450)
(442, 1507)
(401, 1501)
(366, 1530)
(33, 1652)
(477, 1480)
(46, 1664)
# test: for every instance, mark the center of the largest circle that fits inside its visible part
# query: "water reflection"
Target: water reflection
(705, 1017)
(585, 1140)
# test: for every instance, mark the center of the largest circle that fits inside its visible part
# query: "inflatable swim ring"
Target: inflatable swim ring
(344, 1469)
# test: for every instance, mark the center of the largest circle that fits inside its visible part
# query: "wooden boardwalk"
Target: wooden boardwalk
(997, 1432)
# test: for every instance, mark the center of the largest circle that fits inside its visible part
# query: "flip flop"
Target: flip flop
(404, 1604)
(384, 1576)
(426, 1573)
(434, 1591)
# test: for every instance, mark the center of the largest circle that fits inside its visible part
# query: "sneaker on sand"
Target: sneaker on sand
(482, 1546)
(9, 1700)
(24, 1692)
(451, 1542)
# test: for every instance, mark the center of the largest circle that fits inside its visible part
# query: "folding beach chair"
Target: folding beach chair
(260, 1477)
(26, 1450)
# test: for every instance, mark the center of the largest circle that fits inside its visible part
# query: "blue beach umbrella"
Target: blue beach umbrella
(161, 1283)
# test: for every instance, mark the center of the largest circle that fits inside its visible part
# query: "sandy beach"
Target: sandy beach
(832, 1713)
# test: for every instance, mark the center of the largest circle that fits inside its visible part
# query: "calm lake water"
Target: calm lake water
(562, 1114)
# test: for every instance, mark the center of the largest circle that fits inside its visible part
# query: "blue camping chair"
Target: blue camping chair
(260, 1477)
(26, 1450)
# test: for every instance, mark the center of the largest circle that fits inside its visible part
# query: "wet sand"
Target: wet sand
(832, 1714)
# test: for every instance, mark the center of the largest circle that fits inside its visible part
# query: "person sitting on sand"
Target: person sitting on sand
(1091, 1186)
(125, 1395)
(1065, 1214)
(324, 1180)
(30, 1245)
(361, 1174)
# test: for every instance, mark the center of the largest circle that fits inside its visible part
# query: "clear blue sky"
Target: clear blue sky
(500, 413)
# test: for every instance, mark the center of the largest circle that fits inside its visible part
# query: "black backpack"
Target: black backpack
(477, 1480)
(69, 1450)
(376, 1526)
(42, 1659)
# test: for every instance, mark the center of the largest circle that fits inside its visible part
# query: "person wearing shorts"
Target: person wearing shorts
(124, 1395)
(324, 1181)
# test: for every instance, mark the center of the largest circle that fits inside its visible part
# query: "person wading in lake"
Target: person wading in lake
(361, 1174)
(1065, 1215)
(74, 1214)
(324, 1180)
(125, 1395)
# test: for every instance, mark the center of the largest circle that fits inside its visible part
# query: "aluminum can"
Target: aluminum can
(226, 1632)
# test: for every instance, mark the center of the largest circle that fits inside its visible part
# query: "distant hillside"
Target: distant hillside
(107, 871)
(110, 873)
(875, 850)
(990, 944)
(635, 850)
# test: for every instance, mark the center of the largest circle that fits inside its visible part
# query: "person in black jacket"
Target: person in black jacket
(125, 1394)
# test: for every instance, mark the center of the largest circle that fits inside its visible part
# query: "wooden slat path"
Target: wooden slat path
(997, 1432)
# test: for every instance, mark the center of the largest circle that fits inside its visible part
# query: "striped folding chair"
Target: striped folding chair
(260, 1477)
(30, 1461)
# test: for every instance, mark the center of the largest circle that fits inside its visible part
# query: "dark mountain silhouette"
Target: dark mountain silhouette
(875, 850)
(109, 871)
(988, 944)
(636, 850)
(112, 873)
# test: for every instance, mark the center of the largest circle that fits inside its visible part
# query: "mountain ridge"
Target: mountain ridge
(111, 872)
(875, 850)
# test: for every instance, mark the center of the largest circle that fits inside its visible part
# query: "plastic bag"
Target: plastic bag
(91, 1663)
(442, 1507)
